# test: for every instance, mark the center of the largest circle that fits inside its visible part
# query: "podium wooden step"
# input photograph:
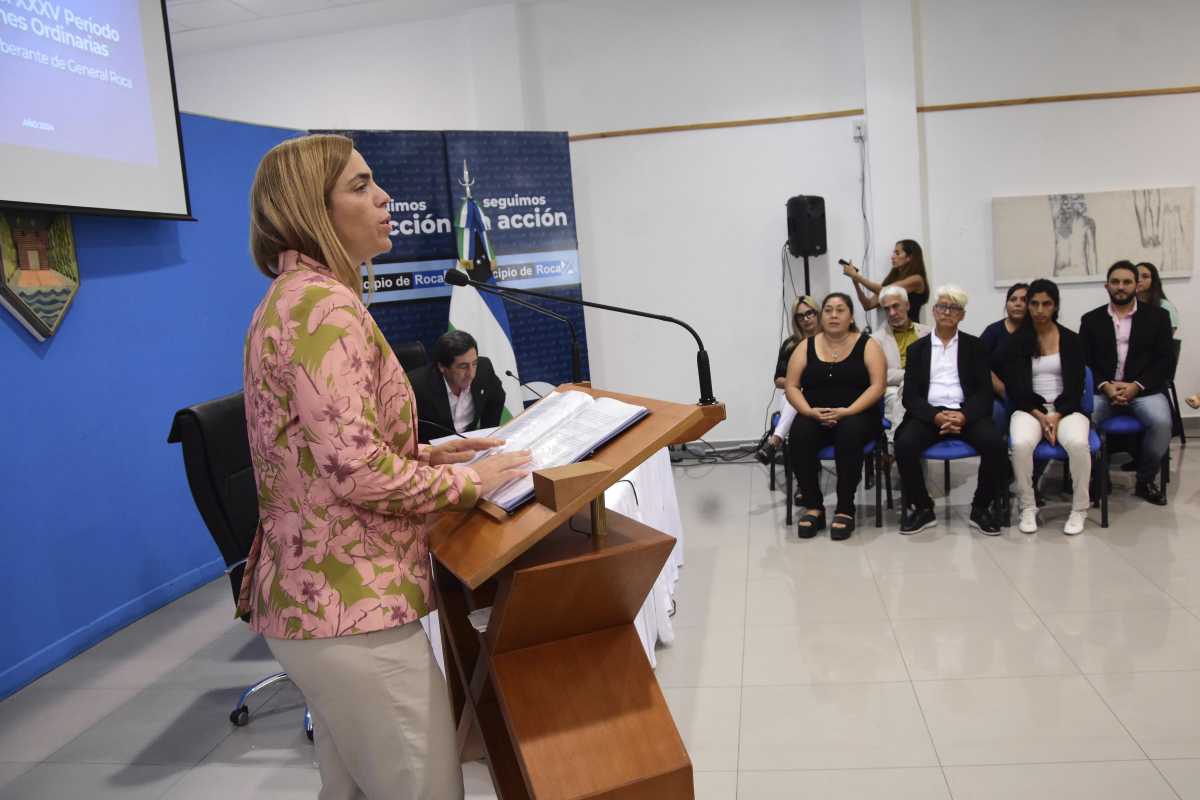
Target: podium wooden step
(588, 720)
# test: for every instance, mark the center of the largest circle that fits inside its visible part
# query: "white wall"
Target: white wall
(410, 76)
(979, 50)
(692, 223)
(622, 64)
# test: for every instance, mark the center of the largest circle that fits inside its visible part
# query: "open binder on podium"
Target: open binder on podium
(558, 686)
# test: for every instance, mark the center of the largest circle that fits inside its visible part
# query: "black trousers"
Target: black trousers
(848, 438)
(915, 435)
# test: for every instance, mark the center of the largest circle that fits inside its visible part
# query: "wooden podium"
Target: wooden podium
(559, 687)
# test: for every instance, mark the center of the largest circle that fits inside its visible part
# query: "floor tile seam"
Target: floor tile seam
(1162, 588)
(1182, 671)
(864, 620)
(1168, 610)
(1025, 596)
(1023, 676)
(952, 766)
(737, 757)
(1166, 780)
(800, 685)
(1100, 696)
(49, 757)
(177, 776)
(908, 672)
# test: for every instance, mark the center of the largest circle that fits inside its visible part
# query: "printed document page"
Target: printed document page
(561, 429)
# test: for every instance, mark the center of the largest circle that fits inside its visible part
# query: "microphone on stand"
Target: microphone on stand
(524, 385)
(440, 427)
(576, 372)
(456, 277)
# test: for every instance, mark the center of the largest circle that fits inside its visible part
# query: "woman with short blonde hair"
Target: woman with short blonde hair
(806, 322)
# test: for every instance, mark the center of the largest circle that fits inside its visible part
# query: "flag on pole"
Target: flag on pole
(483, 315)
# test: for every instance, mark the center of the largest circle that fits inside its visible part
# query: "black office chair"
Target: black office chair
(411, 355)
(216, 456)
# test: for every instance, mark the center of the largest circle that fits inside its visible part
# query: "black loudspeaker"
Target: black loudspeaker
(806, 225)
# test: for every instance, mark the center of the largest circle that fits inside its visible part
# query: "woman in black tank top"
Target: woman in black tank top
(836, 381)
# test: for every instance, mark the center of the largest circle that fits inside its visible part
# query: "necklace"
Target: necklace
(835, 348)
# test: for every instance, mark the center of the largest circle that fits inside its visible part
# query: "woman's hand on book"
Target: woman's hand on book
(457, 451)
(496, 470)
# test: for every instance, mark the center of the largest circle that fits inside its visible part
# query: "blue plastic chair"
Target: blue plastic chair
(953, 449)
(871, 464)
(1121, 425)
(1055, 452)
(949, 449)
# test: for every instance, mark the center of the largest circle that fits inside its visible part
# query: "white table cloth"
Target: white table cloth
(647, 494)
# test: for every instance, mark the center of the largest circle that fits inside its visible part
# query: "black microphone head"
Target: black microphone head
(456, 277)
(843, 262)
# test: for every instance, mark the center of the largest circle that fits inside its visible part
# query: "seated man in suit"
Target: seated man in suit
(1128, 346)
(895, 339)
(459, 391)
(948, 393)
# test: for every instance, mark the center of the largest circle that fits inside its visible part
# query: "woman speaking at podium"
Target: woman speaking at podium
(339, 573)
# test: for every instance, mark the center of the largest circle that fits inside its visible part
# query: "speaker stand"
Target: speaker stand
(807, 285)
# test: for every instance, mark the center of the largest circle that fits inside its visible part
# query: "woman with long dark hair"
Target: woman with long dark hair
(1045, 377)
(1150, 291)
(835, 380)
(908, 271)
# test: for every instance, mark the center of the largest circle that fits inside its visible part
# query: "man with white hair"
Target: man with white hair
(948, 393)
(895, 338)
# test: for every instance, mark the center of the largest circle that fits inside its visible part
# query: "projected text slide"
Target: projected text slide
(73, 79)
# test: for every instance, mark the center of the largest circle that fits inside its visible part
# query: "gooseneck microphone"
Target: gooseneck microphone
(576, 372)
(524, 385)
(456, 277)
(440, 427)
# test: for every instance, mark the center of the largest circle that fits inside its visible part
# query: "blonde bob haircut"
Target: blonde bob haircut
(801, 302)
(289, 205)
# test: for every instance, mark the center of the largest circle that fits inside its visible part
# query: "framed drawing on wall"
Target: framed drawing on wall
(1073, 238)
(39, 274)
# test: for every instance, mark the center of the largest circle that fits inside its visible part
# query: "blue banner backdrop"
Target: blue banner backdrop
(522, 183)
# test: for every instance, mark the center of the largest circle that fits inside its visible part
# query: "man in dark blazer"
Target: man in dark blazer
(1129, 348)
(948, 393)
(459, 391)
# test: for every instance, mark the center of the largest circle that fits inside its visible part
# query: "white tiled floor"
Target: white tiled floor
(941, 666)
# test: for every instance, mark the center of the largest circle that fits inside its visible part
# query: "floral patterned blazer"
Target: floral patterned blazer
(344, 490)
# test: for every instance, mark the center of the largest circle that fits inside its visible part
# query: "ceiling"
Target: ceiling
(199, 25)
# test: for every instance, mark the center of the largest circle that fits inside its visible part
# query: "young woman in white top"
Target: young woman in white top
(1044, 376)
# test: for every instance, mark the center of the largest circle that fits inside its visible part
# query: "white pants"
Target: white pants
(893, 408)
(381, 716)
(787, 413)
(1026, 433)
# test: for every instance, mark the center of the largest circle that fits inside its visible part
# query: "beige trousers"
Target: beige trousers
(381, 717)
(1025, 433)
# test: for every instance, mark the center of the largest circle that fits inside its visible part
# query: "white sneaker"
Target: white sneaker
(1029, 520)
(1075, 521)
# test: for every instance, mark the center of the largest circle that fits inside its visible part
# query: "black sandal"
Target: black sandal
(846, 522)
(810, 524)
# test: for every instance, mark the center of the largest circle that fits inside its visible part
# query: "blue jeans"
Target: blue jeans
(1154, 412)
